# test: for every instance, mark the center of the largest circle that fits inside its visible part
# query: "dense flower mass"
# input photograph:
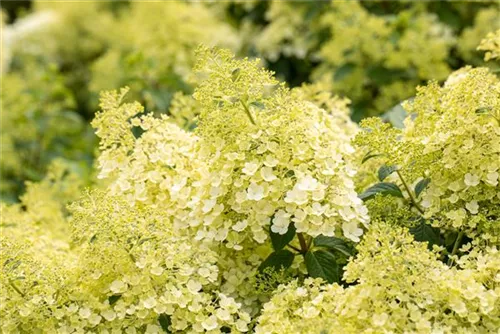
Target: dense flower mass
(401, 287)
(452, 138)
(224, 199)
(233, 177)
(292, 170)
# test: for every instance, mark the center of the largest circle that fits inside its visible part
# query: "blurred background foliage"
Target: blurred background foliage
(58, 56)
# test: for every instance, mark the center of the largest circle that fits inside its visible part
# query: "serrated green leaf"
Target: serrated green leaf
(385, 171)
(165, 321)
(421, 185)
(383, 188)
(424, 232)
(279, 241)
(322, 264)
(279, 259)
(333, 243)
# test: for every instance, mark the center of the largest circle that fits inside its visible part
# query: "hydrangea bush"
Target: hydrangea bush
(149, 48)
(243, 205)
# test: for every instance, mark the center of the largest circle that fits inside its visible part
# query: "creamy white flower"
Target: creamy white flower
(317, 209)
(117, 286)
(352, 231)
(204, 272)
(471, 180)
(267, 174)
(150, 302)
(208, 205)
(455, 186)
(453, 198)
(379, 319)
(473, 207)
(260, 236)
(280, 222)
(85, 312)
(255, 192)
(156, 270)
(296, 196)
(109, 315)
(240, 226)
(210, 323)
(492, 178)
(270, 161)
(94, 319)
(250, 168)
(193, 286)
(223, 314)
(307, 183)
(241, 325)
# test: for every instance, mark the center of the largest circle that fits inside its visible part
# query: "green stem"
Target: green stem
(16, 288)
(455, 247)
(247, 111)
(294, 248)
(412, 199)
(309, 242)
(303, 244)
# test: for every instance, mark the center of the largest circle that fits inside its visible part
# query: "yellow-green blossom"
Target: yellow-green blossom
(402, 287)
(453, 138)
(491, 44)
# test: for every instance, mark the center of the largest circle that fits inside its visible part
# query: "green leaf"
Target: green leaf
(235, 74)
(322, 263)
(333, 243)
(369, 156)
(281, 240)
(383, 188)
(385, 171)
(421, 185)
(396, 115)
(343, 72)
(165, 321)
(424, 232)
(483, 110)
(257, 104)
(279, 259)
(382, 76)
(113, 299)
(450, 238)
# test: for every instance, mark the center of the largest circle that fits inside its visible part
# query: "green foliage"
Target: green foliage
(280, 259)
(322, 264)
(383, 188)
(333, 243)
(281, 240)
